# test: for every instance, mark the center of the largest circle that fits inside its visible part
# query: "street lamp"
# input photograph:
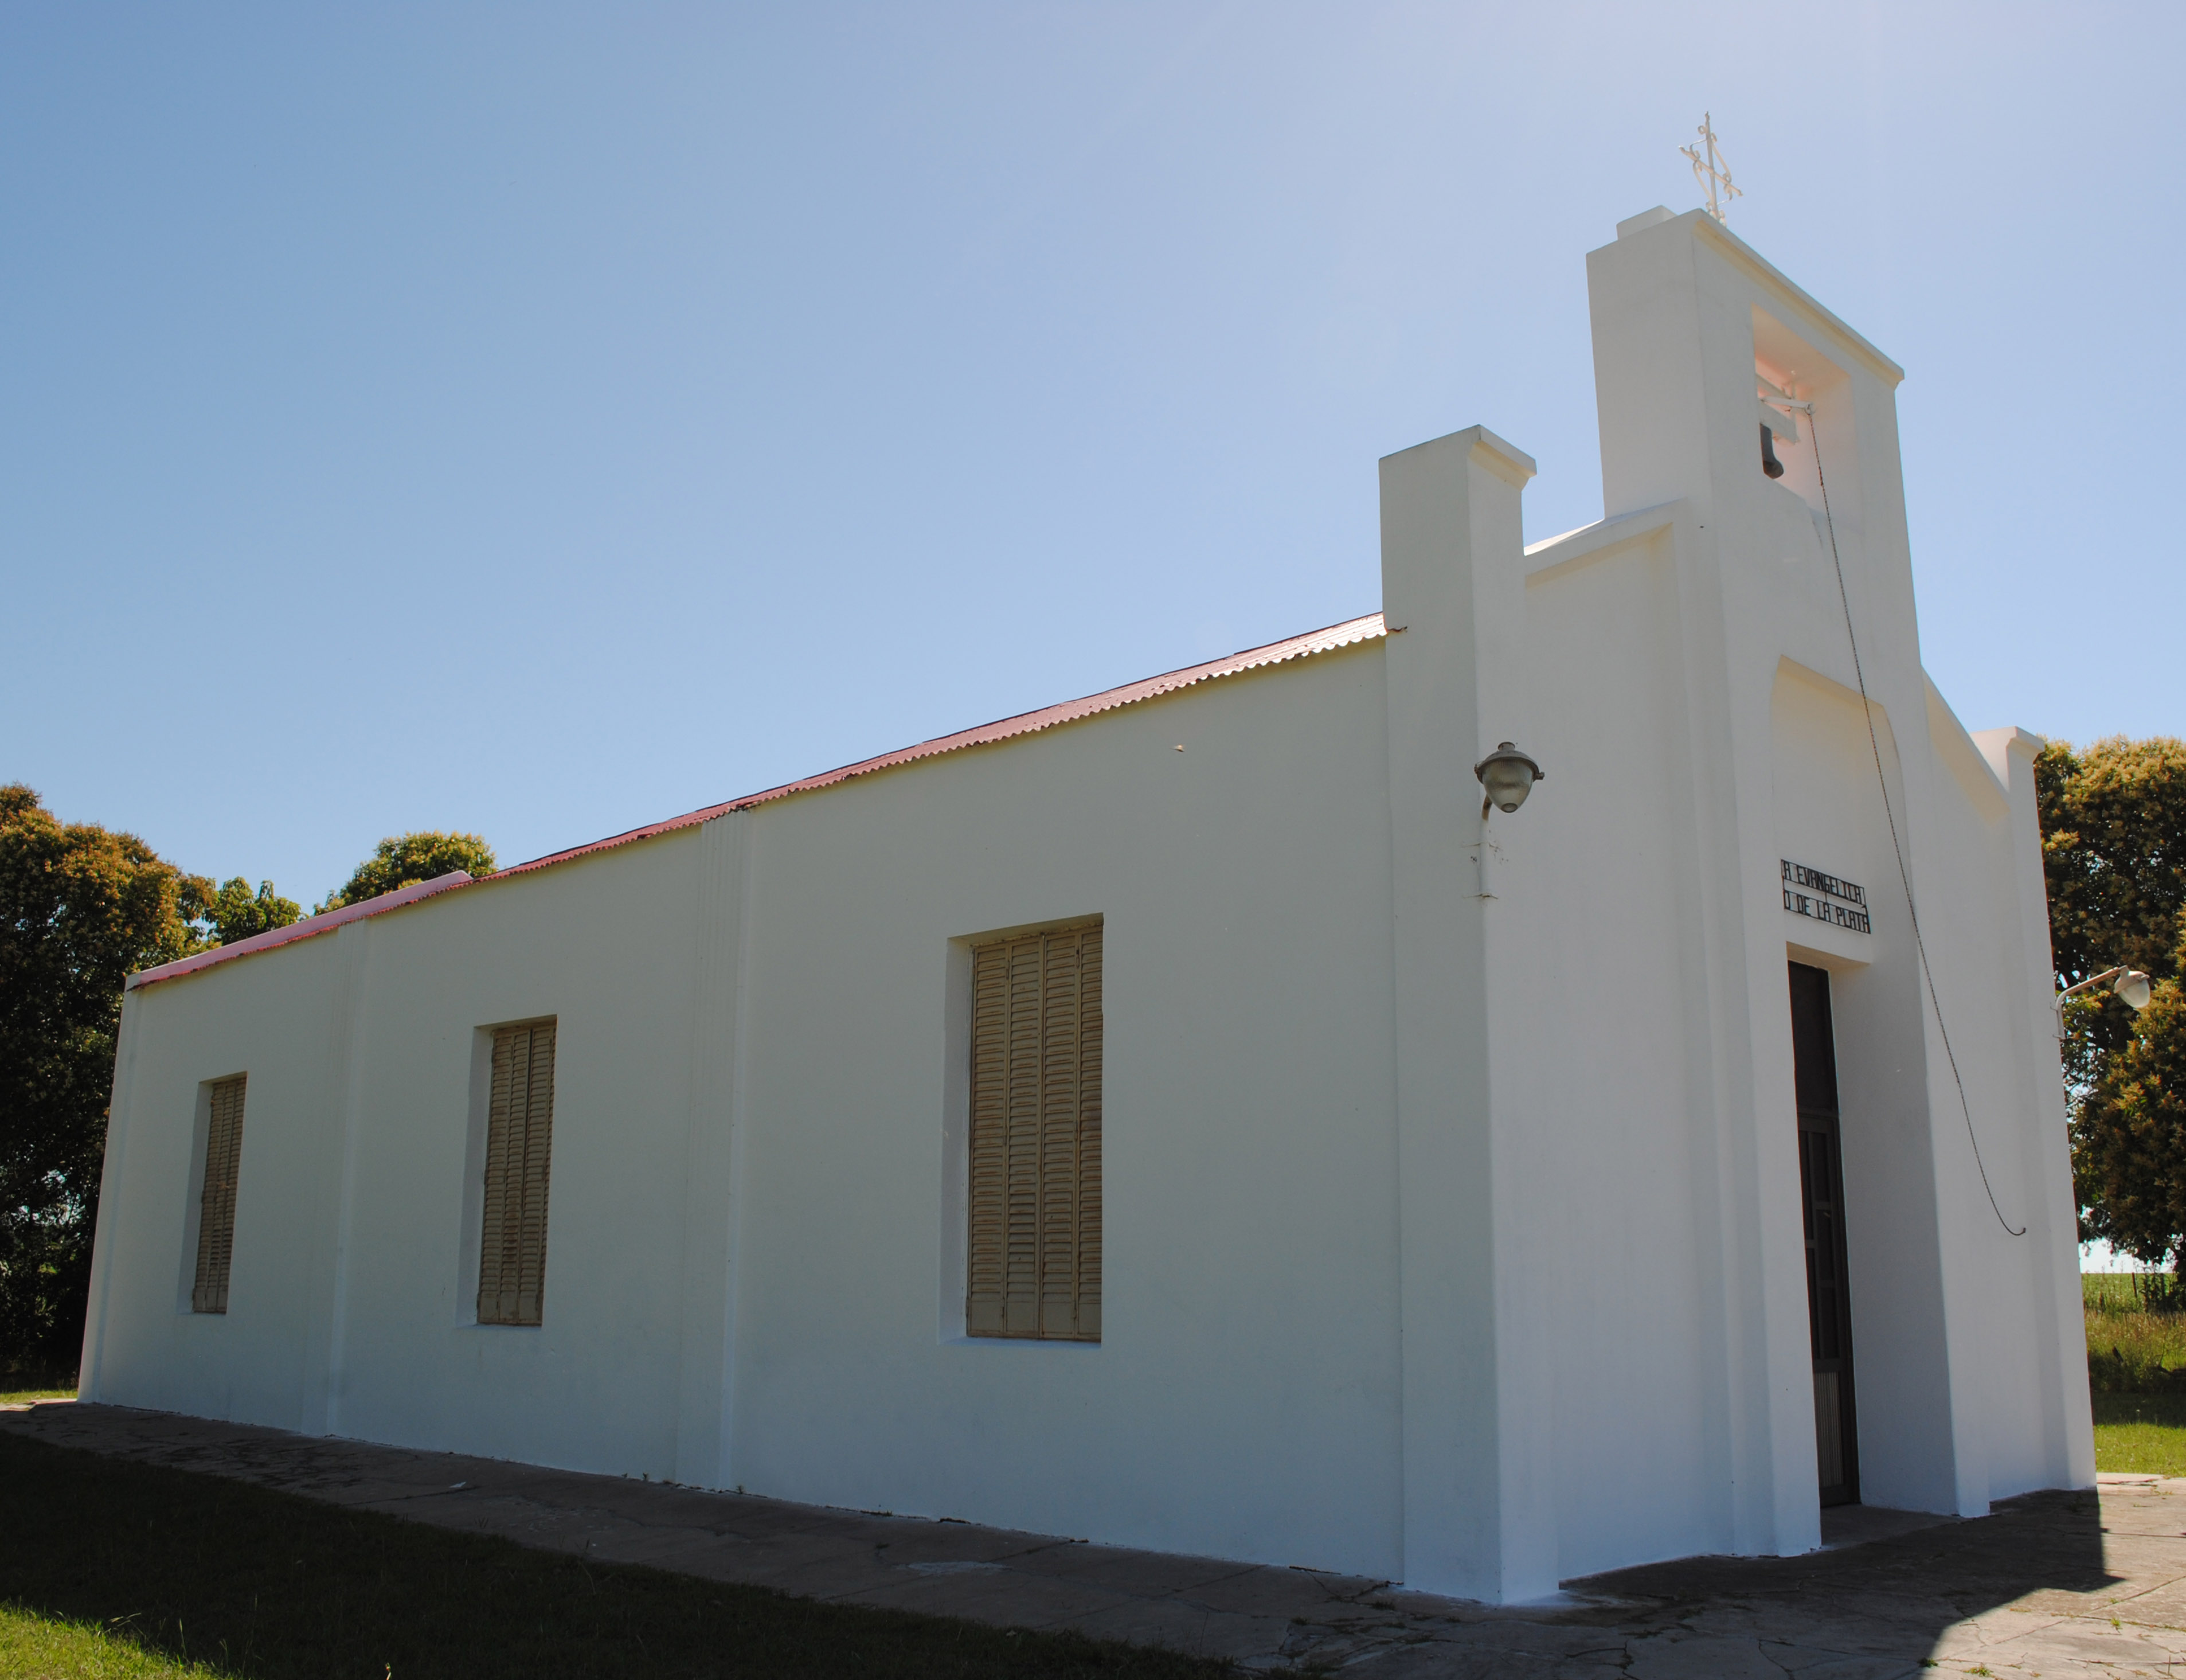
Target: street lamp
(2130, 984)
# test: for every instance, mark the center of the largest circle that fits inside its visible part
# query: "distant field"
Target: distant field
(2131, 1349)
(2124, 1291)
(2114, 1290)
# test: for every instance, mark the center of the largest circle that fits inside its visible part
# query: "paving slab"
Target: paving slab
(1141, 1574)
(1849, 1668)
(1676, 1656)
(2158, 1607)
(2091, 1582)
(1427, 1662)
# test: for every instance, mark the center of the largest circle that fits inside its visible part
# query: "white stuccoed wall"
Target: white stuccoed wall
(1635, 1224)
(1972, 1383)
(346, 1312)
(1251, 1179)
(1448, 1238)
(1244, 1398)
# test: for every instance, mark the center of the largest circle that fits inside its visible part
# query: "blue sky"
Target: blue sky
(542, 420)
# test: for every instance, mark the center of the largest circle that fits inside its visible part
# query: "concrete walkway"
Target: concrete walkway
(2050, 1585)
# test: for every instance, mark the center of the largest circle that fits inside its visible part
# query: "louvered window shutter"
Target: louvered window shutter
(519, 1143)
(217, 1203)
(1035, 1199)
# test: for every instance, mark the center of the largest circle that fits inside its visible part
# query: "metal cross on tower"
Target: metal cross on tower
(1712, 171)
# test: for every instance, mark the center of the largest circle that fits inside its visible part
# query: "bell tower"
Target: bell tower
(1766, 430)
(1710, 366)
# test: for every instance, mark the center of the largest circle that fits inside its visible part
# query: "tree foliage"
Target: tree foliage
(236, 912)
(2114, 852)
(2129, 1137)
(80, 908)
(404, 860)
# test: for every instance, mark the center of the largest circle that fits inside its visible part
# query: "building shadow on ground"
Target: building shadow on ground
(1889, 1587)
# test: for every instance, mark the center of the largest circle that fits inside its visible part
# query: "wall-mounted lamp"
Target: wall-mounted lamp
(1508, 775)
(2129, 984)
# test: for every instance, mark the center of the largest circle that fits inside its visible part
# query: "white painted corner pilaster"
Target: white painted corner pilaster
(706, 1347)
(1479, 1496)
(319, 1388)
(2010, 753)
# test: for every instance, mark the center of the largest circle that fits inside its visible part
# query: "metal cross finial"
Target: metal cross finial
(1712, 171)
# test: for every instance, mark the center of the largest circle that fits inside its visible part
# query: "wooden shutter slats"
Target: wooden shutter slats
(494, 1209)
(216, 1197)
(1033, 1265)
(519, 1149)
(1020, 1052)
(1089, 1047)
(989, 1194)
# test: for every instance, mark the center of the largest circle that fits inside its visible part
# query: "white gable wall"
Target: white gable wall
(1946, 1306)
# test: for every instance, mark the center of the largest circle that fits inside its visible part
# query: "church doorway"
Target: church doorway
(1821, 1197)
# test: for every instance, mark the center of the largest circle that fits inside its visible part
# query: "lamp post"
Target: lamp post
(2129, 984)
(1505, 776)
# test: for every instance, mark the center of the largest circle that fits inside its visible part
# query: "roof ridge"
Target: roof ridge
(325, 922)
(1364, 628)
(1367, 628)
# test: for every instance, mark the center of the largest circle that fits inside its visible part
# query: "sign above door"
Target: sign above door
(1825, 897)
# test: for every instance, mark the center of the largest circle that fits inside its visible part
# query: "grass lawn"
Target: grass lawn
(2145, 1434)
(113, 1569)
(54, 1650)
(18, 1385)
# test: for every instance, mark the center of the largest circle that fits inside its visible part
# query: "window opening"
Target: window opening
(1035, 1200)
(519, 1142)
(217, 1203)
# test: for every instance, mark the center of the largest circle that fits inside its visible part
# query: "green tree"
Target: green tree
(80, 908)
(236, 912)
(2129, 1136)
(404, 860)
(2114, 852)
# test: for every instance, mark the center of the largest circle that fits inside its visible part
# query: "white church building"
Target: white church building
(1180, 1118)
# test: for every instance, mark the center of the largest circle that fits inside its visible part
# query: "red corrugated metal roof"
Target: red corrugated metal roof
(310, 926)
(1335, 636)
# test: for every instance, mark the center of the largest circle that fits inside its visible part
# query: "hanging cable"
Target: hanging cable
(1904, 875)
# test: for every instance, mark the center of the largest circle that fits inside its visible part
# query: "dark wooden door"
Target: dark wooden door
(1821, 1197)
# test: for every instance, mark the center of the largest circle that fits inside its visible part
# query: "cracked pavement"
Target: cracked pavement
(2088, 1583)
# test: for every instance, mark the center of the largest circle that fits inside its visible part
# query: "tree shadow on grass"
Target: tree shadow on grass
(251, 1583)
